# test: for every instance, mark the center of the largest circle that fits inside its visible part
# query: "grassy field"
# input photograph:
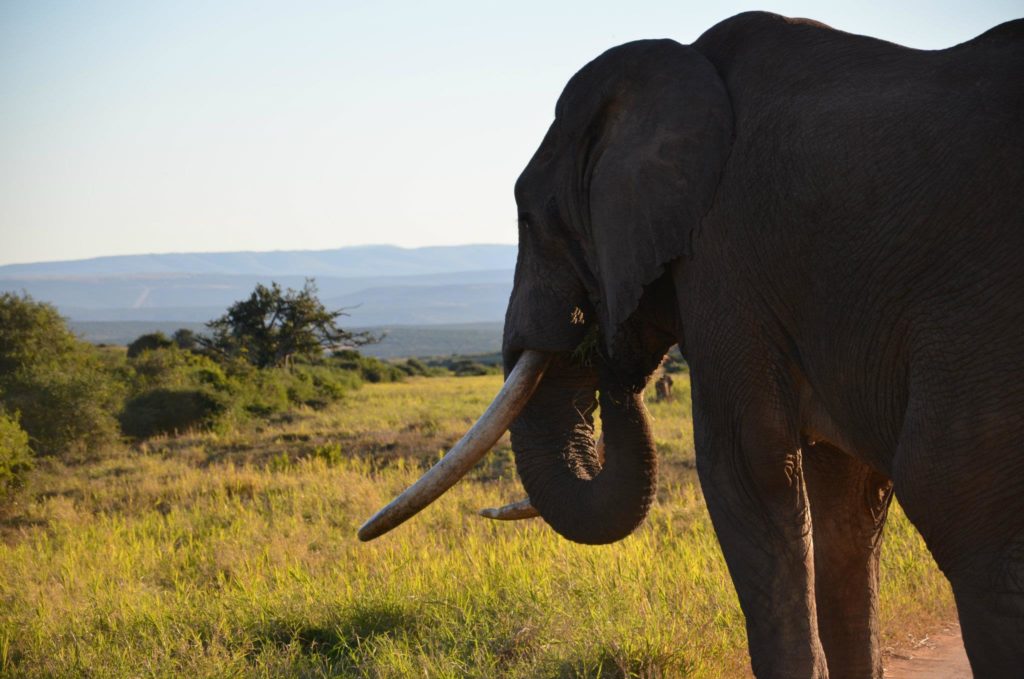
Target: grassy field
(235, 555)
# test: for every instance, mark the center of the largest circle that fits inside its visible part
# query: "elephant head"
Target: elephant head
(615, 193)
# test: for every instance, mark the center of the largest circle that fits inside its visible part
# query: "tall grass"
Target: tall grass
(234, 554)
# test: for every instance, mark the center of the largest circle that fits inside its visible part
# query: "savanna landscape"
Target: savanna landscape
(296, 300)
(230, 549)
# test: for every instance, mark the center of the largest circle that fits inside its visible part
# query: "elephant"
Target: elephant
(831, 229)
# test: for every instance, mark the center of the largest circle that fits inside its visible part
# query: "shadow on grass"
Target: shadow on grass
(336, 637)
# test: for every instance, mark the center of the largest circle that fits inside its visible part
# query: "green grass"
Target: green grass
(234, 554)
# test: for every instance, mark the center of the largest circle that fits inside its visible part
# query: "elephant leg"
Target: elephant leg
(849, 502)
(981, 551)
(959, 475)
(750, 472)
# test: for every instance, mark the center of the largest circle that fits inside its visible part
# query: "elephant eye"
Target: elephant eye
(524, 220)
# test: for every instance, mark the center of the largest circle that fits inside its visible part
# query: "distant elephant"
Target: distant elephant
(831, 227)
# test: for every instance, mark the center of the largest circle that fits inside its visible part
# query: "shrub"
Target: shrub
(266, 391)
(368, 368)
(329, 384)
(15, 454)
(378, 371)
(413, 367)
(241, 388)
(173, 367)
(174, 390)
(169, 411)
(67, 409)
(30, 333)
(186, 339)
(149, 342)
(59, 384)
(468, 368)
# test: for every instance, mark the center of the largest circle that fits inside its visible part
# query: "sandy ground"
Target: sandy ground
(938, 656)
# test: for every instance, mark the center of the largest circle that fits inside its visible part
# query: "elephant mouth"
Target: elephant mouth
(586, 494)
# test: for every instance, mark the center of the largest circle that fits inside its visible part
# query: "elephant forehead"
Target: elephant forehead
(538, 172)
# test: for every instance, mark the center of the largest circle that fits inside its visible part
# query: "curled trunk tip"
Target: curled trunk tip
(584, 498)
(514, 511)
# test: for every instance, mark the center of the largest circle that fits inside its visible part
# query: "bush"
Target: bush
(15, 454)
(174, 390)
(67, 409)
(59, 384)
(235, 389)
(413, 367)
(149, 342)
(368, 368)
(266, 391)
(470, 369)
(186, 339)
(467, 366)
(30, 333)
(375, 370)
(330, 384)
(173, 367)
(170, 411)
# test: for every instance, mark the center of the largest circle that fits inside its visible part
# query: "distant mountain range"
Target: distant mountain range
(378, 285)
(351, 262)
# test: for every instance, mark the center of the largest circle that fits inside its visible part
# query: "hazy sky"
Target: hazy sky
(135, 127)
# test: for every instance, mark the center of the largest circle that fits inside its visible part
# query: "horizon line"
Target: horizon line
(4, 265)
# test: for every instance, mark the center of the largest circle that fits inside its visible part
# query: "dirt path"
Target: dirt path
(939, 656)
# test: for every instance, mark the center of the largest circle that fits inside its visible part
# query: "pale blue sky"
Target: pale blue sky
(136, 127)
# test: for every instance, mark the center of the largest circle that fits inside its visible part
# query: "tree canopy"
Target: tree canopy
(273, 326)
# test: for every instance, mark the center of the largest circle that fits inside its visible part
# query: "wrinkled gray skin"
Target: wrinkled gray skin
(832, 228)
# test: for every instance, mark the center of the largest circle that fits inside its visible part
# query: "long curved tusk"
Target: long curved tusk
(511, 512)
(480, 438)
(515, 511)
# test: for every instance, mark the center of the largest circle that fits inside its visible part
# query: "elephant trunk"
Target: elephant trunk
(557, 460)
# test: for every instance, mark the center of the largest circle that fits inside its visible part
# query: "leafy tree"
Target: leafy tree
(274, 326)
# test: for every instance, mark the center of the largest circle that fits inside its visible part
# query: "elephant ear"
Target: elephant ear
(665, 134)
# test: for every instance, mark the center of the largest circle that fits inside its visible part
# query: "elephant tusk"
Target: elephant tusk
(480, 438)
(522, 509)
(511, 512)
